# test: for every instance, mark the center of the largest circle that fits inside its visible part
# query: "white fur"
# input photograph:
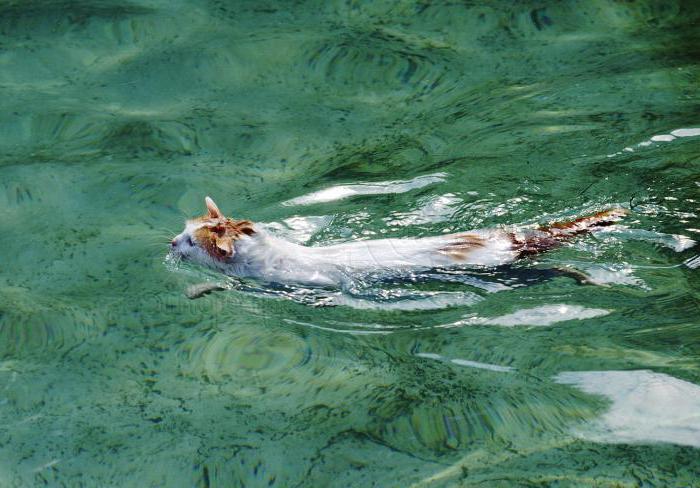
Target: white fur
(270, 258)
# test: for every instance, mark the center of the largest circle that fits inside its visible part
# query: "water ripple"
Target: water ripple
(381, 60)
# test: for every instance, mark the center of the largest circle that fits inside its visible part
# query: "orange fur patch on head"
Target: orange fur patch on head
(216, 237)
(217, 233)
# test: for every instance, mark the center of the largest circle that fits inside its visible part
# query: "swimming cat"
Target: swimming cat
(241, 248)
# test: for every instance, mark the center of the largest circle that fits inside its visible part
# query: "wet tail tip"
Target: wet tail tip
(599, 219)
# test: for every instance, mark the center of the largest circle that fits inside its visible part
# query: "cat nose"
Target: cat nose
(173, 243)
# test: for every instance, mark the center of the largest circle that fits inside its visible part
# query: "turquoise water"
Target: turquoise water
(329, 122)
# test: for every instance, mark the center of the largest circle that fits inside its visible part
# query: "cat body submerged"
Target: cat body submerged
(270, 258)
(241, 248)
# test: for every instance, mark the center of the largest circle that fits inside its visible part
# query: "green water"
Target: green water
(118, 118)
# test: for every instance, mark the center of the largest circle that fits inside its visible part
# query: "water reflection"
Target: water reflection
(677, 133)
(466, 362)
(544, 315)
(646, 407)
(340, 192)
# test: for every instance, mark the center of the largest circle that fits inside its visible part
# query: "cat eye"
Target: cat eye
(189, 242)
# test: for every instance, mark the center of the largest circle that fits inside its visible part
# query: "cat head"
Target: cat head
(210, 239)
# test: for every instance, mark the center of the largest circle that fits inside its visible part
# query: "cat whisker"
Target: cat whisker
(161, 234)
(164, 230)
(160, 239)
(157, 245)
(157, 249)
(165, 243)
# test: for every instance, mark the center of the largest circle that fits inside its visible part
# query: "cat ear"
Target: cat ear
(214, 211)
(224, 245)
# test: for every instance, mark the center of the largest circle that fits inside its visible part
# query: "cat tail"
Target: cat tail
(553, 235)
(570, 228)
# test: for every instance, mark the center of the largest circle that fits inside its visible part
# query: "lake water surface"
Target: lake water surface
(329, 122)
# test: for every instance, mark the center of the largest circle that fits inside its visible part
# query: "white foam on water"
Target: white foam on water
(662, 138)
(693, 263)
(340, 192)
(691, 132)
(299, 229)
(623, 274)
(646, 407)
(416, 301)
(687, 132)
(544, 315)
(437, 209)
(676, 242)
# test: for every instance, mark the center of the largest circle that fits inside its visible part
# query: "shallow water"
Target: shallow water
(329, 122)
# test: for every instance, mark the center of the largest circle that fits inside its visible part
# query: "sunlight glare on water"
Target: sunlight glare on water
(328, 122)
